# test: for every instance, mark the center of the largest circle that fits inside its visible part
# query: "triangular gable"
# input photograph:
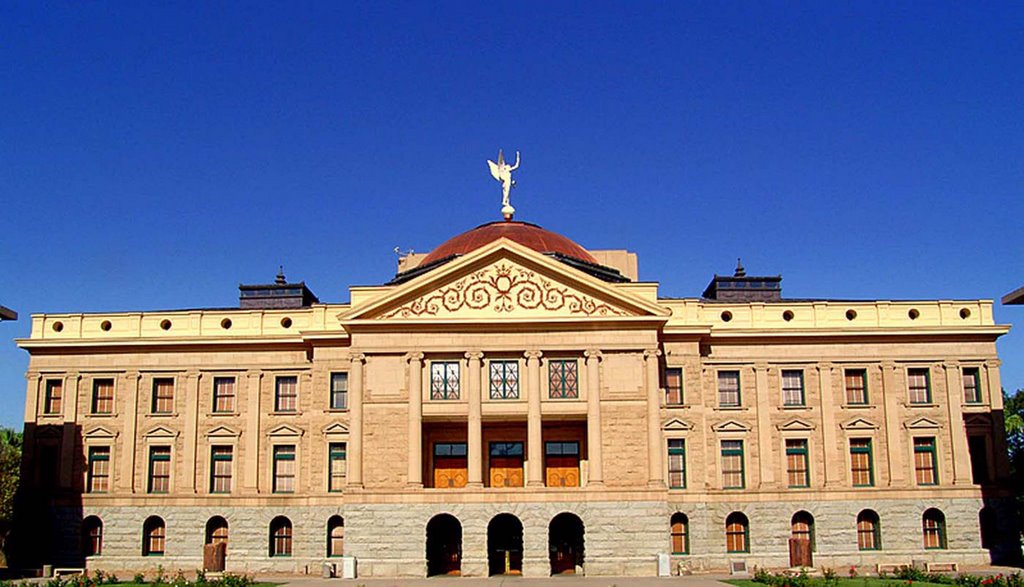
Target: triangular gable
(922, 423)
(161, 432)
(505, 280)
(223, 432)
(731, 426)
(285, 430)
(335, 429)
(859, 424)
(100, 432)
(49, 432)
(978, 421)
(677, 425)
(796, 425)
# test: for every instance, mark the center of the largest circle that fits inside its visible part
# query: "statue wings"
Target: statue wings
(496, 167)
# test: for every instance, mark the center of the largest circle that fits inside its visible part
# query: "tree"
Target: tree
(10, 468)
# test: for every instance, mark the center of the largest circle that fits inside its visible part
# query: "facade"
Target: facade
(512, 402)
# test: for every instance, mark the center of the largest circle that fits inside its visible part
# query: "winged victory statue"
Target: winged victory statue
(502, 172)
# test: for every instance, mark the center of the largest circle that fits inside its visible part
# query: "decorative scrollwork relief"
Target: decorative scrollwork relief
(504, 288)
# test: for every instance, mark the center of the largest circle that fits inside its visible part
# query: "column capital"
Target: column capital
(993, 363)
(356, 357)
(593, 354)
(888, 364)
(30, 375)
(133, 374)
(253, 373)
(951, 364)
(761, 366)
(533, 354)
(415, 356)
(192, 374)
(652, 353)
(824, 366)
(474, 355)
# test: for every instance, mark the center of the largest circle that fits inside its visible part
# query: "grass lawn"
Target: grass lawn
(845, 582)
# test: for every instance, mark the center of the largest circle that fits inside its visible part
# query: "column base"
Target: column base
(475, 485)
(597, 483)
(657, 484)
(535, 484)
(414, 485)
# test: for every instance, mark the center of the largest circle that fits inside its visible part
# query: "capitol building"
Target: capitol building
(515, 403)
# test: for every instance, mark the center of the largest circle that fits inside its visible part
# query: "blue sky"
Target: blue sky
(156, 155)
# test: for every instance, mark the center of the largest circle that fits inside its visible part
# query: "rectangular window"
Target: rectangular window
(924, 461)
(504, 380)
(729, 389)
(220, 469)
(506, 464)
(444, 380)
(856, 386)
(224, 394)
(972, 385)
(339, 391)
(103, 396)
(286, 394)
(673, 386)
(337, 466)
(450, 465)
(676, 463)
(919, 385)
(792, 387)
(284, 469)
(562, 464)
(99, 470)
(53, 401)
(163, 396)
(797, 471)
(159, 469)
(563, 379)
(732, 465)
(861, 462)
(978, 449)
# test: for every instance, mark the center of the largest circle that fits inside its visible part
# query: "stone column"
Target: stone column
(34, 396)
(995, 398)
(187, 467)
(252, 434)
(890, 399)
(763, 401)
(474, 443)
(355, 420)
(655, 476)
(833, 462)
(132, 382)
(594, 448)
(534, 442)
(957, 431)
(415, 387)
(71, 435)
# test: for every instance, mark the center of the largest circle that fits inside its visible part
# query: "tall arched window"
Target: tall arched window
(680, 534)
(737, 533)
(802, 527)
(869, 531)
(217, 531)
(280, 536)
(335, 536)
(92, 536)
(933, 524)
(154, 535)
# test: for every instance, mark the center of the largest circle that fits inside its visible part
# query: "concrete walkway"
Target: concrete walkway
(563, 581)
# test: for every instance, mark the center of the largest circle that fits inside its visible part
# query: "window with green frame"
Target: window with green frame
(284, 468)
(98, 473)
(737, 533)
(336, 466)
(797, 470)
(793, 387)
(159, 469)
(972, 385)
(733, 476)
(856, 381)
(862, 470)
(444, 380)
(919, 385)
(676, 463)
(925, 470)
(504, 379)
(563, 379)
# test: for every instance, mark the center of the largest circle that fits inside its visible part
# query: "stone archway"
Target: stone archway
(504, 545)
(444, 545)
(565, 543)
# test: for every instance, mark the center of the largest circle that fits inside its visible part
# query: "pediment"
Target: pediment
(978, 421)
(285, 430)
(859, 424)
(223, 432)
(100, 432)
(796, 425)
(922, 423)
(335, 429)
(731, 426)
(504, 281)
(161, 432)
(677, 425)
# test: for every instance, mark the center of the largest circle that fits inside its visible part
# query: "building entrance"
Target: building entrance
(565, 543)
(505, 545)
(444, 545)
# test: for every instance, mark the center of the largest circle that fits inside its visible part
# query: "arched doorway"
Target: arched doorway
(444, 545)
(565, 543)
(801, 540)
(505, 545)
(217, 531)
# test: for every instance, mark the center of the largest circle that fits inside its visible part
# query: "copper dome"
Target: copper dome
(524, 233)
